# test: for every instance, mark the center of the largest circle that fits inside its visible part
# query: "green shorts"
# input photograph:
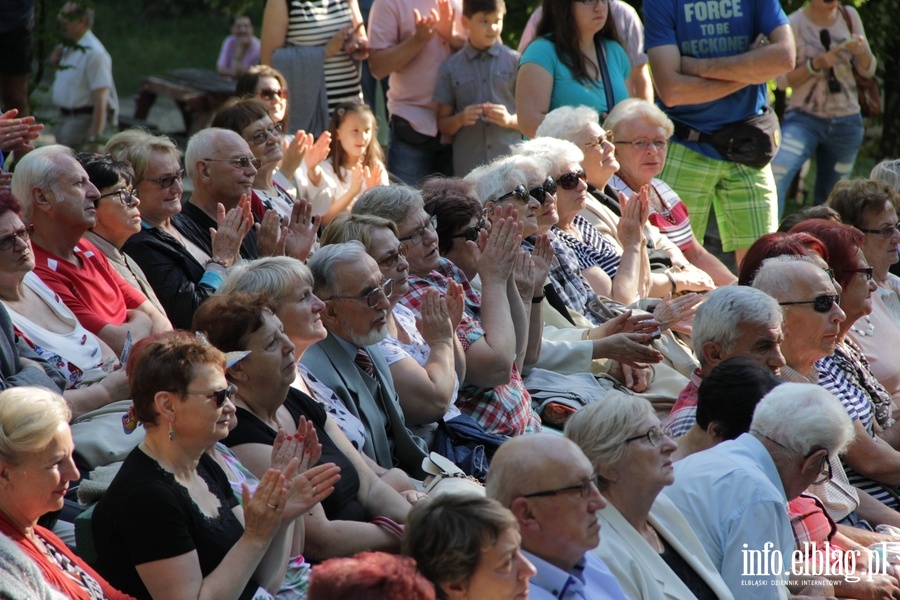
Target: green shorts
(744, 198)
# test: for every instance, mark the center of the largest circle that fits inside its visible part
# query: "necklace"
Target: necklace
(869, 330)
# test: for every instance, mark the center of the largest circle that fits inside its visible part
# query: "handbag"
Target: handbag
(447, 478)
(100, 438)
(866, 87)
(555, 397)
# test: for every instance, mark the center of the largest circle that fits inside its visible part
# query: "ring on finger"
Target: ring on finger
(314, 490)
(272, 506)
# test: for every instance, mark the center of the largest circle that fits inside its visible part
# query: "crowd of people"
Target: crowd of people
(493, 361)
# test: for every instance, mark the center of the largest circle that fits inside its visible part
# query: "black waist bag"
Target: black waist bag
(752, 142)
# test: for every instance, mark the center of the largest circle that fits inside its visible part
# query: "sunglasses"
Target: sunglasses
(219, 396)
(471, 233)
(268, 94)
(540, 193)
(569, 181)
(821, 304)
(520, 193)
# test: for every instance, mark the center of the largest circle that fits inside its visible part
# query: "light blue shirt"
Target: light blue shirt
(733, 499)
(591, 579)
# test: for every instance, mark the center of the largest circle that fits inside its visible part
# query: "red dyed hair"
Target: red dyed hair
(369, 576)
(842, 241)
(778, 244)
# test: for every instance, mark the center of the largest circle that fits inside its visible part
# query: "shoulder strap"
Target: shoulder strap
(847, 18)
(604, 74)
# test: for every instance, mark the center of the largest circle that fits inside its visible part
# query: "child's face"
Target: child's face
(355, 134)
(242, 27)
(484, 28)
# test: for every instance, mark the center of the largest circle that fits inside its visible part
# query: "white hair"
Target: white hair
(773, 275)
(497, 178)
(804, 417)
(37, 169)
(727, 307)
(202, 145)
(392, 202)
(559, 153)
(637, 108)
(567, 122)
(325, 265)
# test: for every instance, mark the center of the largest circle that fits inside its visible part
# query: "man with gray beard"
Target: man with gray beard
(349, 361)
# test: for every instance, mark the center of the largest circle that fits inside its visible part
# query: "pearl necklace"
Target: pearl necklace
(869, 331)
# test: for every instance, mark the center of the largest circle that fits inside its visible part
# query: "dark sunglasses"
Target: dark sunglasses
(219, 396)
(540, 193)
(268, 94)
(520, 193)
(821, 304)
(471, 233)
(569, 181)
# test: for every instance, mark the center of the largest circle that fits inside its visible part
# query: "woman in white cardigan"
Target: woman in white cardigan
(645, 540)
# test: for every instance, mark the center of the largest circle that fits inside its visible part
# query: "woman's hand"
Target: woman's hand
(374, 175)
(523, 274)
(295, 151)
(635, 212)
(497, 256)
(670, 311)
(357, 176)
(116, 385)
(232, 227)
(629, 348)
(15, 134)
(456, 303)
(302, 230)
(315, 155)
(627, 322)
(336, 44)
(542, 255)
(270, 235)
(692, 279)
(413, 496)
(264, 510)
(309, 488)
(434, 323)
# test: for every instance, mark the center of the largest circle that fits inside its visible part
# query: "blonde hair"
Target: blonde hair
(29, 417)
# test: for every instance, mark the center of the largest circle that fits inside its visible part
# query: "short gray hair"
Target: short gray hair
(273, 276)
(37, 169)
(29, 417)
(637, 108)
(804, 417)
(887, 171)
(567, 122)
(137, 146)
(727, 307)
(392, 202)
(559, 153)
(202, 145)
(325, 265)
(497, 178)
(771, 277)
(601, 428)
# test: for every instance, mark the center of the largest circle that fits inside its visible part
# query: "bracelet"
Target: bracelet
(537, 299)
(217, 261)
(809, 67)
(672, 281)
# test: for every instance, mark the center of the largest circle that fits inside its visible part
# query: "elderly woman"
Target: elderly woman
(460, 219)
(179, 281)
(647, 542)
(47, 324)
(363, 512)
(642, 132)
(426, 360)
(117, 219)
(169, 519)
(469, 548)
(778, 244)
(370, 575)
(36, 468)
(871, 207)
(575, 59)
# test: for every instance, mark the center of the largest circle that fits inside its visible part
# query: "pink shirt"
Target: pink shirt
(411, 87)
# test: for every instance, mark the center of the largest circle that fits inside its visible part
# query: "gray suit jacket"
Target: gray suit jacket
(11, 372)
(375, 403)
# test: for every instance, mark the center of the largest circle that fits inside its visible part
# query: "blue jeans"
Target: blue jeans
(833, 142)
(412, 163)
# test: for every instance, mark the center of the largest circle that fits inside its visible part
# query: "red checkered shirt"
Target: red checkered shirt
(684, 413)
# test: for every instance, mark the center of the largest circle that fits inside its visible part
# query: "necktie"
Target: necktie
(364, 362)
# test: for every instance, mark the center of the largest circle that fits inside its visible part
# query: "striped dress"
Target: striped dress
(313, 23)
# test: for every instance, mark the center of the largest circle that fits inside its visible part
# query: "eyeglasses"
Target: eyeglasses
(241, 162)
(867, 271)
(260, 139)
(644, 145)
(603, 137)
(821, 304)
(654, 435)
(471, 233)
(386, 287)
(886, 232)
(127, 198)
(418, 234)
(569, 181)
(169, 180)
(540, 193)
(391, 260)
(824, 468)
(219, 396)
(269, 94)
(583, 489)
(520, 193)
(9, 241)
(592, 2)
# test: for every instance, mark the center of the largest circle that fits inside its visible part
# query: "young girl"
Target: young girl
(355, 162)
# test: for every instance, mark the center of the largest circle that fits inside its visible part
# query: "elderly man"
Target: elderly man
(733, 321)
(549, 485)
(83, 88)
(349, 360)
(735, 495)
(58, 201)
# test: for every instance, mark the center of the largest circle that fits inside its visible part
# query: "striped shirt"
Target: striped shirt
(674, 221)
(313, 23)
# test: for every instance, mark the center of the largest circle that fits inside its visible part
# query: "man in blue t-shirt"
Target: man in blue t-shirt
(710, 61)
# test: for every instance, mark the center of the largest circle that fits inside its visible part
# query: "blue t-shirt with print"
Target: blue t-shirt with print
(712, 29)
(568, 91)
